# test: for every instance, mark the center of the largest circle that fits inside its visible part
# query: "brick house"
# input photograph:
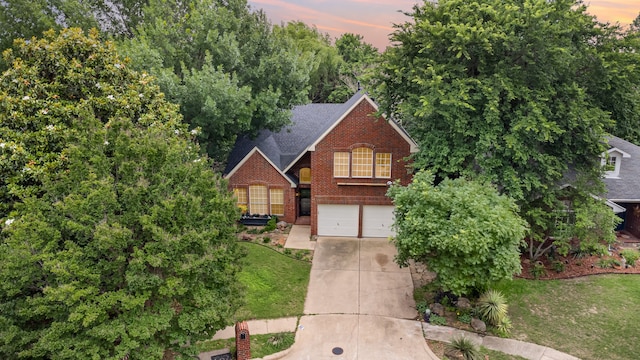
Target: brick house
(330, 168)
(622, 181)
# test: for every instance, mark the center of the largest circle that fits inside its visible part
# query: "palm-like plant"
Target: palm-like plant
(466, 347)
(492, 307)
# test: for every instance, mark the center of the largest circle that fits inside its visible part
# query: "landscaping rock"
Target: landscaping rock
(281, 225)
(463, 303)
(437, 309)
(453, 354)
(478, 325)
(246, 237)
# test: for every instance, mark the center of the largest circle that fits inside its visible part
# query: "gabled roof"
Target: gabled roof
(309, 124)
(626, 187)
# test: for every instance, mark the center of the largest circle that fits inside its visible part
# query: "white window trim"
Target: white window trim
(616, 154)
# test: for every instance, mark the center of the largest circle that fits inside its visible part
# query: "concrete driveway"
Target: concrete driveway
(359, 305)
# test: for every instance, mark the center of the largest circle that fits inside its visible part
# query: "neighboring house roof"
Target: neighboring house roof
(625, 187)
(309, 124)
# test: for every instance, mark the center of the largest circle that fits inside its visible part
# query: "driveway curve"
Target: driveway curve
(359, 305)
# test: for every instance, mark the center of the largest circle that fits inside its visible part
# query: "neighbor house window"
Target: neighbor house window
(276, 198)
(611, 163)
(305, 176)
(362, 162)
(383, 165)
(341, 164)
(241, 198)
(258, 201)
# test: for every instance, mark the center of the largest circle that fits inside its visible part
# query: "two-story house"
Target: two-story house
(332, 167)
(622, 180)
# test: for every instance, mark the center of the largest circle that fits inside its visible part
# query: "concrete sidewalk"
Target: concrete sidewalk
(265, 326)
(300, 238)
(508, 346)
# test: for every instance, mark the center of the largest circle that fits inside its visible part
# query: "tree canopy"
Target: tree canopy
(498, 90)
(223, 64)
(116, 237)
(463, 230)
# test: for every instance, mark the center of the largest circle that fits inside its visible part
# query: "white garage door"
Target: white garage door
(338, 220)
(377, 221)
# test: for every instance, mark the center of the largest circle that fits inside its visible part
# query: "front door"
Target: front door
(305, 202)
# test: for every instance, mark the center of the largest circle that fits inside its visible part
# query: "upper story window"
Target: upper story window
(362, 162)
(383, 165)
(612, 161)
(341, 164)
(305, 176)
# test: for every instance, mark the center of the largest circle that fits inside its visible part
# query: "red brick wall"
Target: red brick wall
(356, 129)
(257, 170)
(243, 343)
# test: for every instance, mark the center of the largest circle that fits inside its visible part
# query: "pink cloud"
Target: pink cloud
(374, 18)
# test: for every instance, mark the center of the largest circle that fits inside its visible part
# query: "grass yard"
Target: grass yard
(438, 349)
(261, 345)
(594, 317)
(276, 284)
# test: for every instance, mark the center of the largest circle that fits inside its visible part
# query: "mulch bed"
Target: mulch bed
(577, 266)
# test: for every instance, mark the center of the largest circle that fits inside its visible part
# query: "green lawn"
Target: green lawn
(261, 345)
(595, 317)
(276, 284)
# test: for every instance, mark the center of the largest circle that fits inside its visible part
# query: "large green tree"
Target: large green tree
(359, 62)
(463, 230)
(326, 63)
(117, 240)
(223, 64)
(614, 82)
(495, 89)
(24, 19)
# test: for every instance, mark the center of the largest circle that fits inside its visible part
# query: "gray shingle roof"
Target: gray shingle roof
(627, 185)
(308, 123)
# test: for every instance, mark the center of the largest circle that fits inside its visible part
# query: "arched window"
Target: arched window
(362, 162)
(305, 176)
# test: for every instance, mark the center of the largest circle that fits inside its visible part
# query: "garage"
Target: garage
(338, 220)
(377, 221)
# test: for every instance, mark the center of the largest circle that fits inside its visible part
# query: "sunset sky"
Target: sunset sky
(373, 19)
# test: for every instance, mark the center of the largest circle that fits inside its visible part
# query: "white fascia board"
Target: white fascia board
(624, 154)
(412, 144)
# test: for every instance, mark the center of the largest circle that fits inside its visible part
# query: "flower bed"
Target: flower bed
(255, 220)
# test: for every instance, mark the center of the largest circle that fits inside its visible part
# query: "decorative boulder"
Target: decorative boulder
(463, 303)
(453, 354)
(478, 325)
(281, 225)
(437, 309)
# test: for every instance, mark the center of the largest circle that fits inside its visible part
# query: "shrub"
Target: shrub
(287, 252)
(437, 320)
(271, 224)
(504, 327)
(492, 307)
(630, 256)
(464, 318)
(607, 263)
(298, 255)
(466, 347)
(558, 266)
(266, 239)
(538, 270)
